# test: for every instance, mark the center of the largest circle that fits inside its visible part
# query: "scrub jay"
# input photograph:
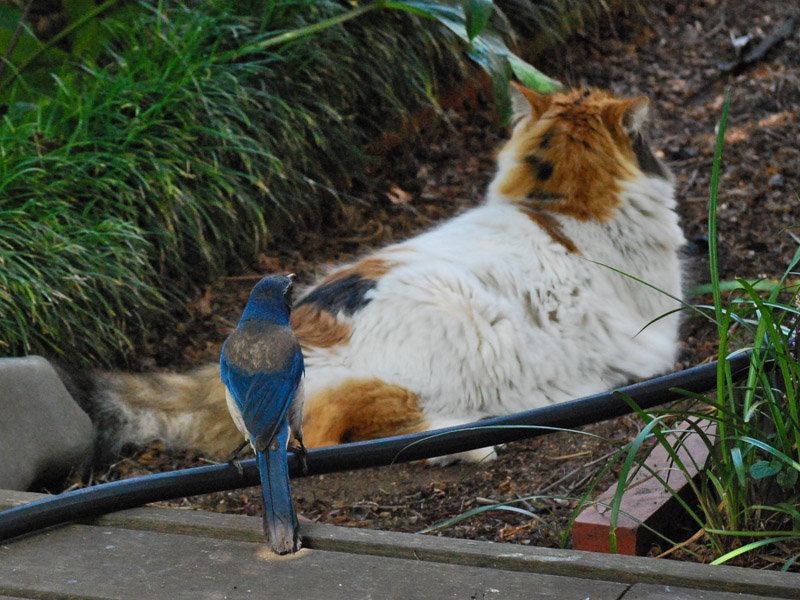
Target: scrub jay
(262, 366)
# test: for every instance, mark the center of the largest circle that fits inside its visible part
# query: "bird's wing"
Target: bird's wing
(263, 397)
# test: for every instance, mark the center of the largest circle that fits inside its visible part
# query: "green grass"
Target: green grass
(162, 165)
(58, 272)
(747, 497)
(191, 141)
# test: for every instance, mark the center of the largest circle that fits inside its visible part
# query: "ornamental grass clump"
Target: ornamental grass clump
(161, 144)
(745, 502)
(151, 169)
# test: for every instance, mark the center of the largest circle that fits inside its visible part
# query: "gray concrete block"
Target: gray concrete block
(43, 432)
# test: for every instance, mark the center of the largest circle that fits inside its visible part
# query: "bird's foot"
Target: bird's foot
(301, 453)
(233, 459)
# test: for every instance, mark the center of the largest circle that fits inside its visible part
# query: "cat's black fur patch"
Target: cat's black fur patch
(544, 168)
(90, 394)
(347, 295)
(544, 196)
(544, 144)
(648, 162)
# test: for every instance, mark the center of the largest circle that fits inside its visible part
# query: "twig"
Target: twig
(716, 27)
(486, 501)
(780, 33)
(575, 470)
(700, 533)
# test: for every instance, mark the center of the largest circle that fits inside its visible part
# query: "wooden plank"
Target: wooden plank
(590, 565)
(642, 591)
(507, 557)
(11, 498)
(79, 561)
(646, 501)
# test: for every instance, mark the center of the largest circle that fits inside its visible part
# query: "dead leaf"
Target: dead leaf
(202, 306)
(398, 196)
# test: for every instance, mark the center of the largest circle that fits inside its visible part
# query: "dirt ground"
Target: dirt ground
(678, 54)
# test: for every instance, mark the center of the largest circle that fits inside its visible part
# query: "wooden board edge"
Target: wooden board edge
(509, 557)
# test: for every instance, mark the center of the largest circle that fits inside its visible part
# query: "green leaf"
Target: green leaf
(88, 38)
(26, 46)
(767, 285)
(487, 48)
(787, 479)
(9, 16)
(531, 77)
(74, 10)
(751, 546)
(37, 77)
(763, 468)
(477, 14)
(497, 67)
(84, 21)
(738, 465)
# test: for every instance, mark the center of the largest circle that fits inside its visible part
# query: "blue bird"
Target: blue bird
(262, 368)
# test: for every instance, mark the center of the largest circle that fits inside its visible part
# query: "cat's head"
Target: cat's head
(574, 150)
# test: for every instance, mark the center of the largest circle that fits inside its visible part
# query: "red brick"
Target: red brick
(646, 500)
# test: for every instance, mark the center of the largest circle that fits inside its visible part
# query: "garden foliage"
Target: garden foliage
(148, 146)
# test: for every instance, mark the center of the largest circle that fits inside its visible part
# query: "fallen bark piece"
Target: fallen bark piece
(780, 33)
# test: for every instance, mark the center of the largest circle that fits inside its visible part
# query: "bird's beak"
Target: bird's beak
(287, 291)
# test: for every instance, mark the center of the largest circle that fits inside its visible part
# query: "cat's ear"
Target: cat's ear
(628, 114)
(525, 102)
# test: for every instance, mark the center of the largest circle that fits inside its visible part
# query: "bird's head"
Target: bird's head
(271, 299)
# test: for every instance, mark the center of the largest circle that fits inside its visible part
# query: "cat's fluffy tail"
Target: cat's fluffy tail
(183, 410)
(189, 411)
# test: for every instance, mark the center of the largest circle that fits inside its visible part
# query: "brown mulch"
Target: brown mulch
(675, 54)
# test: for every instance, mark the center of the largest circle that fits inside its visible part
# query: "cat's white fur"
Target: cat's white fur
(487, 314)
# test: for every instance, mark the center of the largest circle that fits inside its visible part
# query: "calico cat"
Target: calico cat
(513, 305)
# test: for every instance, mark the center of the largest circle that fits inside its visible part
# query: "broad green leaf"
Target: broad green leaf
(86, 32)
(75, 10)
(488, 49)
(9, 16)
(37, 77)
(787, 479)
(87, 40)
(31, 87)
(763, 468)
(532, 77)
(26, 45)
(477, 13)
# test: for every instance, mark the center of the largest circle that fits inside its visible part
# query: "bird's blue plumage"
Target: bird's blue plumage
(262, 365)
(280, 519)
(262, 394)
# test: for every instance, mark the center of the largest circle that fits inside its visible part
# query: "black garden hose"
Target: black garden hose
(129, 493)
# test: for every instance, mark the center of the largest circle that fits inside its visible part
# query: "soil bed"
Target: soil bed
(675, 56)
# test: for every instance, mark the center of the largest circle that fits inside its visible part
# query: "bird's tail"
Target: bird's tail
(280, 519)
